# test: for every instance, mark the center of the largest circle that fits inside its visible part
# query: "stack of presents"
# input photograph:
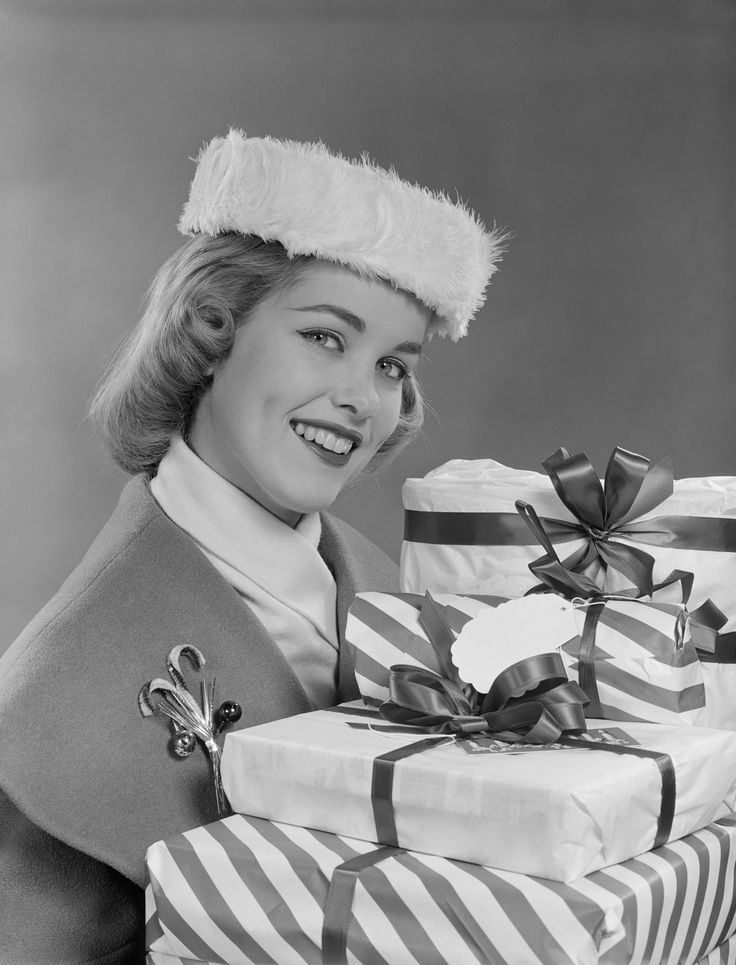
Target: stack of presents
(542, 769)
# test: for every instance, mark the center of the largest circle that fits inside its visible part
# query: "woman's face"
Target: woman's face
(310, 390)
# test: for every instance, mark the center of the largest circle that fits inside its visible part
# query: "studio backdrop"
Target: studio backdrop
(600, 133)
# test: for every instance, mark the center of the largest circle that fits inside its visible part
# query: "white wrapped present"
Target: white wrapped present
(244, 891)
(463, 533)
(558, 814)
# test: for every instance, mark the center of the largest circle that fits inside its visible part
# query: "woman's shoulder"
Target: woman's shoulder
(73, 736)
(348, 550)
(77, 757)
(92, 585)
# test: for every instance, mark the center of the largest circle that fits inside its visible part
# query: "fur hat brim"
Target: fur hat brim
(354, 213)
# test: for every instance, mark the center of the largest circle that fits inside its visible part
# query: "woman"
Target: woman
(274, 365)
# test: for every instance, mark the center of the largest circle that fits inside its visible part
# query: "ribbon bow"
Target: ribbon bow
(631, 487)
(530, 701)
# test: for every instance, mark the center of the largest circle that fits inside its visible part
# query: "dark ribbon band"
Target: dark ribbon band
(506, 529)
(667, 779)
(382, 786)
(586, 660)
(339, 903)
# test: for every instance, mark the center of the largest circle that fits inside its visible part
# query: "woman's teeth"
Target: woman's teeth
(328, 440)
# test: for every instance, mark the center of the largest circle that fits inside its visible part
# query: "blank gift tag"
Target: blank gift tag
(501, 636)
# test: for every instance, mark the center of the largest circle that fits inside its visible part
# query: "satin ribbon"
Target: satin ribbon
(339, 903)
(554, 576)
(668, 783)
(632, 487)
(704, 622)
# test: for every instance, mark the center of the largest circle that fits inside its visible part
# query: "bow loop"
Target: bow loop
(625, 475)
(578, 486)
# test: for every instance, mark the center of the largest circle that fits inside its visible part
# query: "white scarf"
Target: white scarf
(277, 570)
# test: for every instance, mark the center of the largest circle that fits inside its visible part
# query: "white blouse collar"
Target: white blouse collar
(246, 538)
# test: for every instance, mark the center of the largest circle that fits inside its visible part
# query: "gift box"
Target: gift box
(245, 890)
(558, 813)
(723, 954)
(639, 663)
(463, 533)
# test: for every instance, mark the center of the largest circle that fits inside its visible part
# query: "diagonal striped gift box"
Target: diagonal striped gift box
(723, 954)
(249, 891)
(643, 671)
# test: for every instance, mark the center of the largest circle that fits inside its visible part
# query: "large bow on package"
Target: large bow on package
(531, 700)
(463, 534)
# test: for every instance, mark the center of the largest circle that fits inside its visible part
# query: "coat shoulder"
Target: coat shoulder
(133, 514)
(77, 757)
(346, 548)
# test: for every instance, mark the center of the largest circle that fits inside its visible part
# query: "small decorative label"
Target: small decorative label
(501, 636)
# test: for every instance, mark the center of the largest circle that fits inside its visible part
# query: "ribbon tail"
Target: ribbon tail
(439, 633)
(553, 575)
(635, 564)
(704, 624)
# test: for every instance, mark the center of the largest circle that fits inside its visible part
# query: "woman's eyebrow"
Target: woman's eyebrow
(353, 320)
(411, 348)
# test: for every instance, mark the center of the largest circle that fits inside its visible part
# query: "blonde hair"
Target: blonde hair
(196, 302)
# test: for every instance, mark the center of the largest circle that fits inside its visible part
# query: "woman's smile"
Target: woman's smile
(325, 360)
(327, 436)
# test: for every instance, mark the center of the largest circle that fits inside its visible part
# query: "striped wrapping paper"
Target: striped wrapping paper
(463, 497)
(642, 673)
(245, 890)
(723, 954)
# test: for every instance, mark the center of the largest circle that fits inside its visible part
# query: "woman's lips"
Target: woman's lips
(339, 442)
(326, 455)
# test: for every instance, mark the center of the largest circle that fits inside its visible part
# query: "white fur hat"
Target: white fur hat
(353, 213)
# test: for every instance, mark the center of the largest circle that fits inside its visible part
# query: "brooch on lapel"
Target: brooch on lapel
(189, 720)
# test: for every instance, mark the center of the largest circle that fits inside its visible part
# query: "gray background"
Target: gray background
(602, 133)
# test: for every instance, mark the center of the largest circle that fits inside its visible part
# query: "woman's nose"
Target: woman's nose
(357, 393)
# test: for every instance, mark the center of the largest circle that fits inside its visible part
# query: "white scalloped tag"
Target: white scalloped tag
(500, 636)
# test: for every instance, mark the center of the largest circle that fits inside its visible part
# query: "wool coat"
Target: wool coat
(86, 782)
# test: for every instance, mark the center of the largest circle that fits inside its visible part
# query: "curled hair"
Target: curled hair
(197, 300)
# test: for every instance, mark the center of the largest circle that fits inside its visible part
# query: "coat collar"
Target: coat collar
(78, 758)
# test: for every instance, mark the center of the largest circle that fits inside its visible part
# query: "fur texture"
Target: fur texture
(354, 213)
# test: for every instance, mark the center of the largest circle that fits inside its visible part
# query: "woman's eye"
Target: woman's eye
(323, 337)
(393, 369)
